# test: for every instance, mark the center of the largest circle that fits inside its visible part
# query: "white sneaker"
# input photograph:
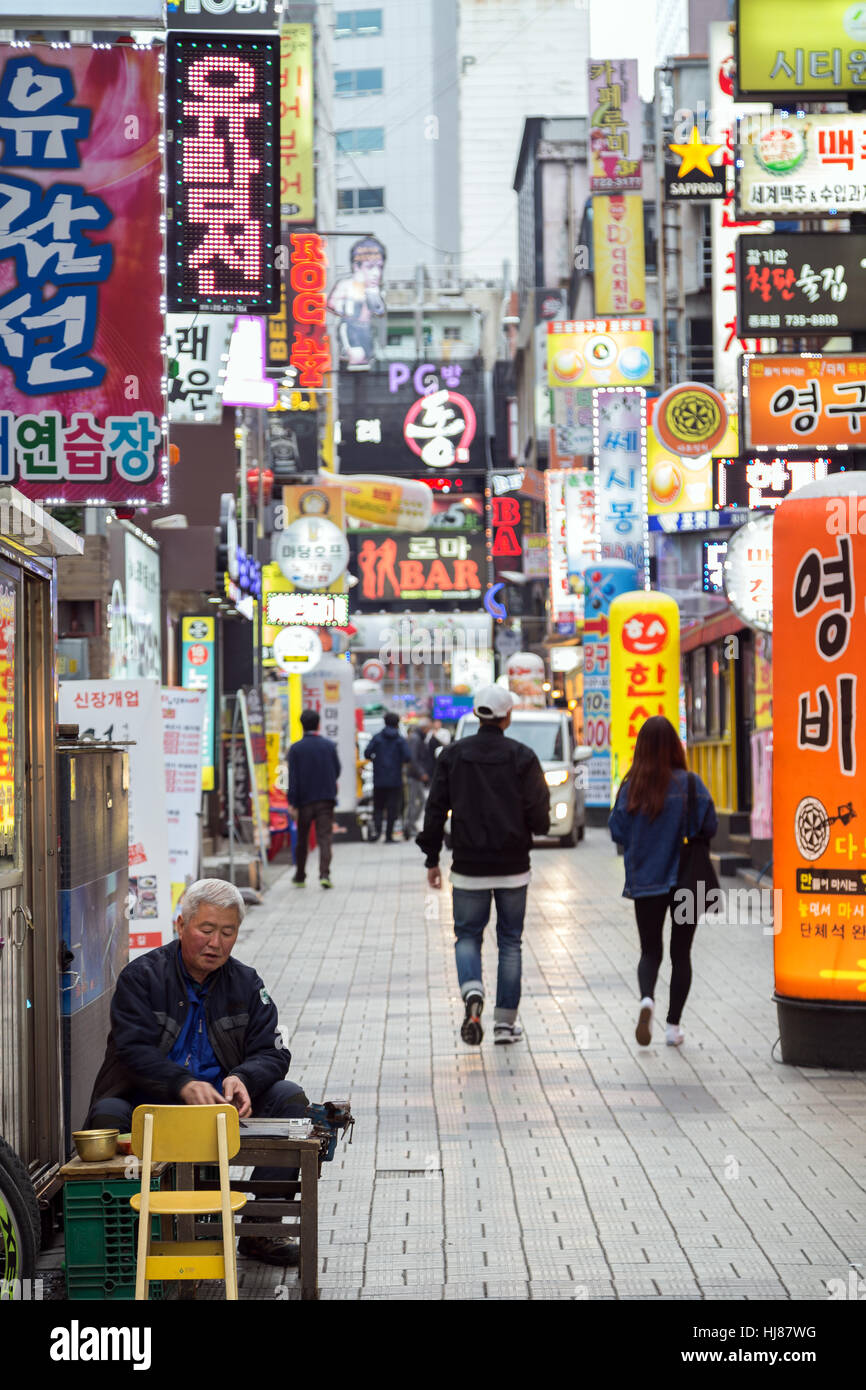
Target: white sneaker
(644, 1032)
(675, 1036)
(507, 1032)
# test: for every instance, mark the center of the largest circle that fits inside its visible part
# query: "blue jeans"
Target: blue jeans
(471, 913)
(284, 1100)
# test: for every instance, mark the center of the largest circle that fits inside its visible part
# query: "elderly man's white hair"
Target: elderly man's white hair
(216, 892)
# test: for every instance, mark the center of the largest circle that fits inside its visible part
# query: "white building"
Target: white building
(672, 29)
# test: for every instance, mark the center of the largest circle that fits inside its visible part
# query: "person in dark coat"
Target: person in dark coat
(313, 771)
(192, 1026)
(423, 747)
(388, 751)
(649, 820)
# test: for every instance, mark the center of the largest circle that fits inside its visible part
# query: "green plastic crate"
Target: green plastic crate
(101, 1232)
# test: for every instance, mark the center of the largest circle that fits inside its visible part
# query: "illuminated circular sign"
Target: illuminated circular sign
(439, 428)
(312, 552)
(297, 649)
(749, 573)
(690, 419)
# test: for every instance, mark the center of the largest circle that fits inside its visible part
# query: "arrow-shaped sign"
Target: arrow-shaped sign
(598, 625)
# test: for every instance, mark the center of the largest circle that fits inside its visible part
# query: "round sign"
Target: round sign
(373, 671)
(197, 655)
(297, 650)
(690, 419)
(749, 573)
(525, 664)
(312, 552)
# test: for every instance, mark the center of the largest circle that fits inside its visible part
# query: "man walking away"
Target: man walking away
(495, 790)
(387, 751)
(313, 771)
(422, 747)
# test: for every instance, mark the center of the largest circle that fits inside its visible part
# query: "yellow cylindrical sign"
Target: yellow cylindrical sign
(644, 671)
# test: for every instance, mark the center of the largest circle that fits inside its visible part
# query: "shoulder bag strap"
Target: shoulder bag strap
(692, 802)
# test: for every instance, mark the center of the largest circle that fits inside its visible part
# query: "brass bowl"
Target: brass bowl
(96, 1145)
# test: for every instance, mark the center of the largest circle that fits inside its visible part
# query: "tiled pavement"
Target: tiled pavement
(574, 1164)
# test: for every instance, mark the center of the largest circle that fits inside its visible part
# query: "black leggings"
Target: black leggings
(650, 914)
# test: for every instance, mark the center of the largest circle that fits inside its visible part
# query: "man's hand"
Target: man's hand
(434, 877)
(424, 778)
(200, 1093)
(293, 811)
(237, 1094)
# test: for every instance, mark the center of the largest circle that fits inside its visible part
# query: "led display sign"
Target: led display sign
(764, 481)
(223, 176)
(306, 610)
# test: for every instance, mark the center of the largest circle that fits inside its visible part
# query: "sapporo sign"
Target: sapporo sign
(801, 281)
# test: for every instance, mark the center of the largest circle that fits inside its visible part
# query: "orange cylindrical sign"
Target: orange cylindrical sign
(819, 754)
(644, 671)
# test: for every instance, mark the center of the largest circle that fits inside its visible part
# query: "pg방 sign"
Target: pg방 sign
(805, 402)
(223, 179)
(799, 48)
(809, 281)
(81, 366)
(801, 166)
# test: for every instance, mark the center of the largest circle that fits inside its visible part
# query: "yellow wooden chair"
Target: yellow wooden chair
(186, 1134)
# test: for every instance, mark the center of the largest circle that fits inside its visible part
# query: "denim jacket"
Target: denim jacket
(652, 848)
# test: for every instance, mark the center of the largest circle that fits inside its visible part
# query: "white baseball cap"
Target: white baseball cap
(493, 702)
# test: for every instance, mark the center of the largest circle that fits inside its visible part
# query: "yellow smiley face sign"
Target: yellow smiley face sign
(690, 419)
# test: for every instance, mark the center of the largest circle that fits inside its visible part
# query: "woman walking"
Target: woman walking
(649, 820)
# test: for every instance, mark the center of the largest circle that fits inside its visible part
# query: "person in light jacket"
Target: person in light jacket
(649, 821)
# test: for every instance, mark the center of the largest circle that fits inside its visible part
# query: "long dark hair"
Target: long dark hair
(657, 753)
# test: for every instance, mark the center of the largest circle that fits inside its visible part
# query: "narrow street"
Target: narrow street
(574, 1164)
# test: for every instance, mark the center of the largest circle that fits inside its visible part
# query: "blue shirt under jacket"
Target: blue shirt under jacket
(652, 847)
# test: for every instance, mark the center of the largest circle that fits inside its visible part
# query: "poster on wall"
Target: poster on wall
(615, 126)
(81, 362)
(571, 425)
(182, 719)
(130, 712)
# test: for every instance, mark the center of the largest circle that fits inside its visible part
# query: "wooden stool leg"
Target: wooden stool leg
(185, 1180)
(308, 1262)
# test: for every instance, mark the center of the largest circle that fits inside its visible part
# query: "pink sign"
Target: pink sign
(615, 127)
(81, 366)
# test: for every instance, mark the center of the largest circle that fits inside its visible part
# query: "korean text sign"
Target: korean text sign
(198, 672)
(600, 352)
(644, 672)
(819, 671)
(616, 126)
(419, 570)
(801, 166)
(801, 282)
(572, 540)
(618, 254)
(601, 585)
(197, 343)
(182, 718)
(223, 175)
(619, 420)
(297, 178)
(805, 402)
(81, 366)
(798, 48)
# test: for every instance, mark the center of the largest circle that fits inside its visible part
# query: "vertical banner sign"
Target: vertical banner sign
(253, 725)
(310, 353)
(198, 672)
(130, 712)
(601, 584)
(329, 689)
(297, 179)
(644, 672)
(619, 425)
(223, 177)
(198, 345)
(8, 615)
(182, 719)
(81, 365)
(616, 127)
(728, 337)
(819, 754)
(572, 538)
(618, 254)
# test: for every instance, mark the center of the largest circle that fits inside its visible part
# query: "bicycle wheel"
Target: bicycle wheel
(19, 1222)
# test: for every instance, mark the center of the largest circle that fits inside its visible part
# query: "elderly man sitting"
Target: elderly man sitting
(191, 1025)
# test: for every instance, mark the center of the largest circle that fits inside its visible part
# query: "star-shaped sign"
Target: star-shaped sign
(694, 155)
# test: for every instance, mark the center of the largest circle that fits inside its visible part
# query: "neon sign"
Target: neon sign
(434, 422)
(223, 174)
(311, 351)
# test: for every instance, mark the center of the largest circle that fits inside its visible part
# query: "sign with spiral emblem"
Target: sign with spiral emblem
(690, 419)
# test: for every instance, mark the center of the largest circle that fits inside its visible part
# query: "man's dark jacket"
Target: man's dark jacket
(313, 770)
(422, 749)
(147, 1013)
(495, 790)
(388, 751)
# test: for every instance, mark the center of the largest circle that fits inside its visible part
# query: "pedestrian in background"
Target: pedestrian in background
(313, 771)
(495, 789)
(388, 751)
(649, 820)
(419, 774)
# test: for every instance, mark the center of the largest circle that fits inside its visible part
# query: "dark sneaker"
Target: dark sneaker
(325, 883)
(269, 1250)
(507, 1032)
(471, 1030)
(298, 882)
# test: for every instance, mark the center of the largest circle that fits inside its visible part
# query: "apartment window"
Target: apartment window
(364, 141)
(358, 22)
(452, 334)
(359, 82)
(360, 200)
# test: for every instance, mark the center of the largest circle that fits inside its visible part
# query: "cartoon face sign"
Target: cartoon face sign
(645, 634)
